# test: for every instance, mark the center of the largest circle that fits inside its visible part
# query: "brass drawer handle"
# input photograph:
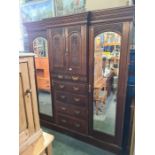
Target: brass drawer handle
(76, 88)
(64, 121)
(77, 112)
(61, 86)
(76, 99)
(77, 125)
(75, 78)
(63, 108)
(62, 96)
(60, 77)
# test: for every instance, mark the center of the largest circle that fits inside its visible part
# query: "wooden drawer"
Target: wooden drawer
(79, 112)
(71, 87)
(71, 110)
(61, 97)
(78, 100)
(78, 88)
(69, 98)
(72, 124)
(60, 86)
(41, 63)
(63, 120)
(72, 78)
(79, 125)
(43, 83)
(62, 108)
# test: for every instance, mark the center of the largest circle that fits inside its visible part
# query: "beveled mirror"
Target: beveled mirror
(108, 70)
(40, 48)
(106, 74)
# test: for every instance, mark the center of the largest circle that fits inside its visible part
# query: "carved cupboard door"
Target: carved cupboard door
(76, 48)
(57, 49)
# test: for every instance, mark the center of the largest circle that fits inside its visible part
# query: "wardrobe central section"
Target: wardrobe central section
(68, 54)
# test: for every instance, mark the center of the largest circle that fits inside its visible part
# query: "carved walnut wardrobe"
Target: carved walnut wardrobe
(70, 44)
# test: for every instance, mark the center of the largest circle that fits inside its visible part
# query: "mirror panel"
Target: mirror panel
(40, 48)
(106, 73)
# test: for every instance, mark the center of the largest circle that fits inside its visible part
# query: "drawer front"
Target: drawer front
(61, 97)
(41, 63)
(60, 86)
(78, 100)
(72, 124)
(71, 87)
(80, 126)
(72, 78)
(72, 110)
(78, 88)
(62, 120)
(43, 84)
(62, 108)
(79, 112)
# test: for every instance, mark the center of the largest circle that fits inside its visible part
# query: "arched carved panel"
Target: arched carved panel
(75, 52)
(57, 50)
(117, 28)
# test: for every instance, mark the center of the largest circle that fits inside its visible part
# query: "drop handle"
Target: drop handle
(61, 86)
(77, 125)
(60, 77)
(63, 108)
(76, 99)
(76, 88)
(28, 91)
(77, 112)
(75, 78)
(63, 120)
(63, 96)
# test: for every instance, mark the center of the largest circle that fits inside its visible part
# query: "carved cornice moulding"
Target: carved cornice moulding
(113, 14)
(80, 18)
(118, 14)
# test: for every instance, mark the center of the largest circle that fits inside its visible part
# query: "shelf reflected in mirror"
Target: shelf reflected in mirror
(106, 73)
(40, 48)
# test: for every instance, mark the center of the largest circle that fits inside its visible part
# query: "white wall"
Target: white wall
(103, 4)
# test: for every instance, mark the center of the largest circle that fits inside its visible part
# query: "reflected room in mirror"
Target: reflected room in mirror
(43, 76)
(106, 74)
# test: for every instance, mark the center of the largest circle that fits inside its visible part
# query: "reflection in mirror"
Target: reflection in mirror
(43, 76)
(106, 71)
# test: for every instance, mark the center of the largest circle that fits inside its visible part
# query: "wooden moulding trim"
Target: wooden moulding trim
(31, 140)
(106, 15)
(81, 18)
(113, 14)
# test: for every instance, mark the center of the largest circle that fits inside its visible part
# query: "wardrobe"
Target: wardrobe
(77, 101)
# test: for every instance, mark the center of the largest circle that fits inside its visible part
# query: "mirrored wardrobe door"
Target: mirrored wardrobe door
(107, 78)
(106, 74)
(40, 48)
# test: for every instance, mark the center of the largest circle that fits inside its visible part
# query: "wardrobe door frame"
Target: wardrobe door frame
(32, 36)
(122, 28)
